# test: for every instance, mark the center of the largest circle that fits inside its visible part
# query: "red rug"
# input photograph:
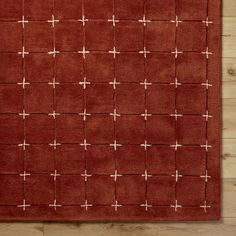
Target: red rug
(109, 110)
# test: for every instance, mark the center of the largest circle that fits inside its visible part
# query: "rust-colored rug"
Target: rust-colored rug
(109, 110)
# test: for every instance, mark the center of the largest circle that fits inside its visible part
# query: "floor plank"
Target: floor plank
(229, 69)
(229, 7)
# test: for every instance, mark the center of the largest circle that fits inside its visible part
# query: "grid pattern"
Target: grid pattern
(109, 110)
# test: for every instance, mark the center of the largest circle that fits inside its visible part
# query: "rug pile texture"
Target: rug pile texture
(109, 110)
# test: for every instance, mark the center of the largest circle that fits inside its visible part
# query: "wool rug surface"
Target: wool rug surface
(109, 110)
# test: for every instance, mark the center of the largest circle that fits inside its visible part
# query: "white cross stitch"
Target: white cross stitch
(23, 21)
(54, 144)
(23, 52)
(145, 145)
(114, 83)
(177, 176)
(24, 114)
(115, 175)
(53, 83)
(206, 146)
(53, 21)
(176, 21)
(83, 20)
(207, 22)
(113, 20)
(205, 206)
(176, 83)
(84, 52)
(144, 20)
(54, 52)
(85, 144)
(144, 52)
(207, 84)
(114, 52)
(176, 115)
(115, 145)
(207, 116)
(24, 175)
(84, 114)
(146, 84)
(176, 206)
(146, 205)
(114, 114)
(55, 205)
(23, 83)
(86, 205)
(206, 176)
(207, 53)
(54, 114)
(176, 145)
(23, 205)
(116, 205)
(23, 145)
(85, 175)
(55, 174)
(176, 52)
(146, 175)
(84, 83)
(146, 115)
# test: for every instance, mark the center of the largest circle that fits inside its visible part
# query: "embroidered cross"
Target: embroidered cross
(23, 145)
(54, 114)
(146, 84)
(23, 21)
(206, 146)
(23, 205)
(146, 205)
(176, 83)
(53, 21)
(85, 175)
(146, 115)
(206, 176)
(207, 22)
(24, 114)
(114, 114)
(207, 53)
(114, 52)
(207, 116)
(144, 20)
(176, 52)
(54, 52)
(55, 174)
(83, 20)
(86, 205)
(85, 144)
(84, 83)
(177, 176)
(205, 206)
(24, 175)
(55, 205)
(115, 175)
(145, 145)
(176, 145)
(176, 21)
(207, 84)
(53, 83)
(176, 206)
(144, 52)
(176, 115)
(114, 83)
(23, 52)
(115, 145)
(84, 114)
(113, 20)
(54, 144)
(23, 83)
(116, 205)
(84, 52)
(146, 175)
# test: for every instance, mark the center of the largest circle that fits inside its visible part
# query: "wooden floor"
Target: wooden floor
(227, 227)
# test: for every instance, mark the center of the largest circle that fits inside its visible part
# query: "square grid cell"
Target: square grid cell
(107, 107)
